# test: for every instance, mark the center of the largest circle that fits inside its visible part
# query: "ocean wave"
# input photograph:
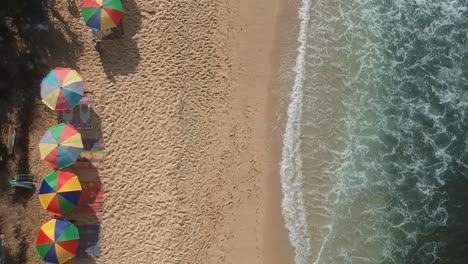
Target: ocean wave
(293, 208)
(396, 187)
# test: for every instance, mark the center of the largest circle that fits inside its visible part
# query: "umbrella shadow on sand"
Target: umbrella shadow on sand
(119, 52)
(82, 218)
(88, 172)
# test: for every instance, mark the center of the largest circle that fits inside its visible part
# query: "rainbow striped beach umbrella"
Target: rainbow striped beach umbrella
(60, 192)
(62, 89)
(57, 241)
(102, 14)
(61, 146)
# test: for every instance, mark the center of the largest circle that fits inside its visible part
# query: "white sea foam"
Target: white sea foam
(291, 165)
(389, 188)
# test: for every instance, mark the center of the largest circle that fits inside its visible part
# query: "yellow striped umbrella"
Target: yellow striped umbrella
(102, 14)
(57, 241)
(61, 146)
(60, 192)
(62, 89)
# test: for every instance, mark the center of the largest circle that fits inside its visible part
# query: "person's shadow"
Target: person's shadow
(119, 52)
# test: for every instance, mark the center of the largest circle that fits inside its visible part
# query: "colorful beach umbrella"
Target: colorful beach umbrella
(62, 89)
(60, 192)
(102, 14)
(57, 241)
(61, 146)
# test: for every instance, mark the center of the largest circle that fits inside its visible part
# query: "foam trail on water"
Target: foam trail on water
(291, 165)
(375, 164)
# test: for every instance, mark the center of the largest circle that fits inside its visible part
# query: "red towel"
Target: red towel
(92, 197)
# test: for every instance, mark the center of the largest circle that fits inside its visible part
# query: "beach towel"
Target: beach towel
(82, 115)
(88, 246)
(92, 156)
(92, 197)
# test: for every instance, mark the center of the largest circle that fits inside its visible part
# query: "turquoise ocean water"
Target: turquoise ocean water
(375, 157)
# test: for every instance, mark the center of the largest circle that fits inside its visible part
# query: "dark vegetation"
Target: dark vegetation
(24, 27)
(21, 23)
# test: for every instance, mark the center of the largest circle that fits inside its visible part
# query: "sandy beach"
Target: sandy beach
(185, 103)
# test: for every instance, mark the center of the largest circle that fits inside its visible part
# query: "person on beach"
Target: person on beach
(97, 38)
(96, 45)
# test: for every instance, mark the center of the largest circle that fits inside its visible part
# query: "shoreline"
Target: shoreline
(278, 247)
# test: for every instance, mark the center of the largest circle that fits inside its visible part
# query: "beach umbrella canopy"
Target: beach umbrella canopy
(102, 14)
(62, 89)
(57, 241)
(60, 192)
(61, 146)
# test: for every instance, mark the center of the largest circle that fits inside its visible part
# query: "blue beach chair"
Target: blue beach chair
(23, 181)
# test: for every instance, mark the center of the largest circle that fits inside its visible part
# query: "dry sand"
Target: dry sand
(184, 102)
